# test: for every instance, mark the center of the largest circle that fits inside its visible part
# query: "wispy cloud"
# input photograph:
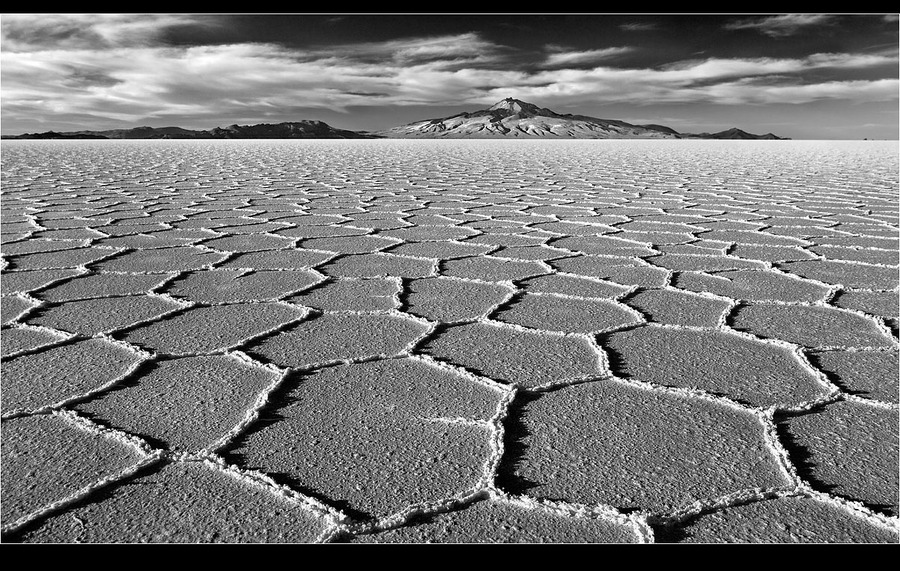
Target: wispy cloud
(560, 56)
(716, 80)
(783, 25)
(455, 48)
(638, 26)
(719, 68)
(28, 32)
(749, 92)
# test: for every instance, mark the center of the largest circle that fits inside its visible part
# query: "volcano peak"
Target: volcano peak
(513, 105)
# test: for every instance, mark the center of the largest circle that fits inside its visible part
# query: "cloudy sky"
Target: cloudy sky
(806, 76)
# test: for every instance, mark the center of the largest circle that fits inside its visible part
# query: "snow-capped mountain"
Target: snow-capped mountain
(512, 118)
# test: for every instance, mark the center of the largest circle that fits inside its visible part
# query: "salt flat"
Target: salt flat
(449, 341)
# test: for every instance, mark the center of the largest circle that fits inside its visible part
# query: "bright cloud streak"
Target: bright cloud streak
(638, 26)
(783, 25)
(562, 57)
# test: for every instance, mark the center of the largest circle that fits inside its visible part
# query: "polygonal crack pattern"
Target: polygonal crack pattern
(408, 342)
(408, 431)
(611, 443)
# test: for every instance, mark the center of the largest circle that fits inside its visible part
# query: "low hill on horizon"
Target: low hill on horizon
(305, 129)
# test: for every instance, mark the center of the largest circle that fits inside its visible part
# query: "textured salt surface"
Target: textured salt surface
(496, 522)
(215, 328)
(183, 503)
(17, 339)
(444, 299)
(786, 520)
(609, 443)
(223, 286)
(379, 436)
(716, 362)
(330, 338)
(67, 458)
(852, 451)
(399, 341)
(183, 404)
(59, 373)
(91, 316)
(515, 356)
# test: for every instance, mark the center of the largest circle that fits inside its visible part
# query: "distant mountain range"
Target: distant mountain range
(293, 130)
(507, 119)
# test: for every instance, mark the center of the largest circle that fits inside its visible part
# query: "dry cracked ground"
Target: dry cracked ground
(451, 341)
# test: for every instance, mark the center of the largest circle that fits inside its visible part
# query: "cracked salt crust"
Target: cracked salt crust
(848, 274)
(753, 285)
(675, 307)
(606, 443)
(490, 268)
(811, 326)
(277, 260)
(621, 270)
(334, 337)
(714, 361)
(515, 356)
(104, 284)
(379, 265)
(63, 372)
(870, 374)
(101, 315)
(377, 453)
(224, 286)
(850, 449)
(574, 285)
(352, 294)
(183, 503)
(61, 259)
(213, 328)
(694, 288)
(446, 299)
(186, 403)
(552, 312)
(786, 520)
(499, 522)
(14, 340)
(67, 459)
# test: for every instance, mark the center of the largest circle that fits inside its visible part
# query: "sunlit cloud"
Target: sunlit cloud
(638, 26)
(449, 49)
(747, 92)
(29, 32)
(561, 56)
(783, 25)
(712, 68)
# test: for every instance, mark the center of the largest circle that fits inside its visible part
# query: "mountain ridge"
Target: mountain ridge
(513, 118)
(508, 118)
(303, 129)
